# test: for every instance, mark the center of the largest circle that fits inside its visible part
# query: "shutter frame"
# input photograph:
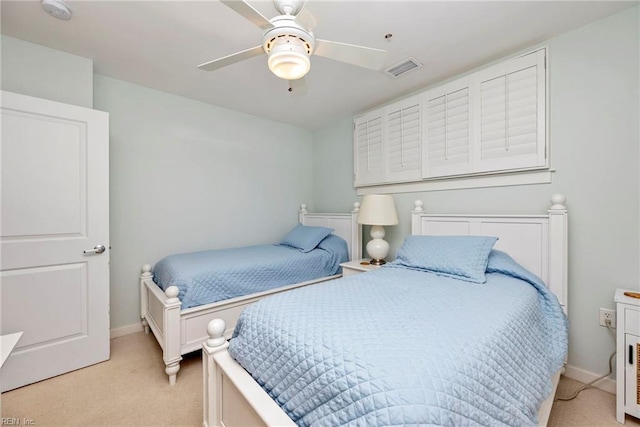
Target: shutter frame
(447, 123)
(510, 114)
(404, 140)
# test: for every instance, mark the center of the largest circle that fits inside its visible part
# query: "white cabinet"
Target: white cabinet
(627, 356)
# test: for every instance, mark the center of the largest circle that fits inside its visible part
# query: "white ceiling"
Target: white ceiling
(159, 44)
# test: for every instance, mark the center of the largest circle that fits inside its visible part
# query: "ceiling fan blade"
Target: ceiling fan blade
(231, 59)
(361, 56)
(246, 10)
(298, 87)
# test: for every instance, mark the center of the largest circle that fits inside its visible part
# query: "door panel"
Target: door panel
(18, 288)
(50, 169)
(54, 206)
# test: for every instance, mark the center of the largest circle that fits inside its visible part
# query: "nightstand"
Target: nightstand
(357, 266)
(627, 357)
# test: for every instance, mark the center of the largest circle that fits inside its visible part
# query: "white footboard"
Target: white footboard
(231, 396)
(182, 331)
(160, 311)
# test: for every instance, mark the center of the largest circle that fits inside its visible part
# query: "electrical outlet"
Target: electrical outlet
(606, 314)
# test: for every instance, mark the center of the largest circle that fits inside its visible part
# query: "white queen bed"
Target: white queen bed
(182, 330)
(537, 242)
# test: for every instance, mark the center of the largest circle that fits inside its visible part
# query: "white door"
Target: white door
(55, 206)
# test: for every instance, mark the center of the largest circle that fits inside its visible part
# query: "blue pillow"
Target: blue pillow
(305, 237)
(460, 257)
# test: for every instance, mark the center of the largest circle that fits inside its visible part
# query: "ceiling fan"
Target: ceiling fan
(289, 44)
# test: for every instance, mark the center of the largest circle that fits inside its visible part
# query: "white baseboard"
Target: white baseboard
(605, 384)
(125, 330)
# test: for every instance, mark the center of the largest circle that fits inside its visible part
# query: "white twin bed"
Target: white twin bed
(182, 330)
(537, 242)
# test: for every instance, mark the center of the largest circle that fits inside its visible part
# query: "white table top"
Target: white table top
(7, 344)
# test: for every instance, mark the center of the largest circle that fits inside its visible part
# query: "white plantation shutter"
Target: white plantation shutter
(404, 141)
(488, 122)
(369, 149)
(512, 114)
(447, 130)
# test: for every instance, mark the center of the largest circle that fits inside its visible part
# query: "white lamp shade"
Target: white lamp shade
(289, 61)
(377, 209)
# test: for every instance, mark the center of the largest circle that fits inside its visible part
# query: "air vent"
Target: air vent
(403, 67)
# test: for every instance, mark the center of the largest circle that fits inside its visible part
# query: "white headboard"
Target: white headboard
(537, 242)
(345, 225)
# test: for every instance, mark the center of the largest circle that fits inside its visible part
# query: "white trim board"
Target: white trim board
(462, 182)
(125, 330)
(605, 384)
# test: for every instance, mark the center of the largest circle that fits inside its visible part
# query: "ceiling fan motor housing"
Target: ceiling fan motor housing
(288, 7)
(288, 34)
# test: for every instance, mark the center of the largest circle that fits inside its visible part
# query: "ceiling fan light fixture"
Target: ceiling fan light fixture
(289, 60)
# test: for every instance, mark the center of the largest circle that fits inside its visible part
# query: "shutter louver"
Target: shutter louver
(404, 141)
(448, 132)
(370, 150)
(509, 115)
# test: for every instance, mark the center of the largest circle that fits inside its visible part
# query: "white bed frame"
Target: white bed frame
(538, 242)
(182, 331)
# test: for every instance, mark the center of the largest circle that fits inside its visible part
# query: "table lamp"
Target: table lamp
(377, 210)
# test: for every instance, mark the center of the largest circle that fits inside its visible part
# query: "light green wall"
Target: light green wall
(333, 167)
(189, 176)
(34, 70)
(595, 131)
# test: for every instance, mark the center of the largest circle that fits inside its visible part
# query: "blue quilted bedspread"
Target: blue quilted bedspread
(397, 346)
(211, 276)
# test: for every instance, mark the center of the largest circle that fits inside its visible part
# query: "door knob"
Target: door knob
(98, 249)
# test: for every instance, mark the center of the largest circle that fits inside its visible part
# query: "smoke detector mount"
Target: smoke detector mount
(57, 9)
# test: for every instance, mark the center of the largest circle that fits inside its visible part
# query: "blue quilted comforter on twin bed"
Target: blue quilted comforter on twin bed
(211, 276)
(398, 346)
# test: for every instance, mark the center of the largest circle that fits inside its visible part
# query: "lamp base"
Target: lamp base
(377, 247)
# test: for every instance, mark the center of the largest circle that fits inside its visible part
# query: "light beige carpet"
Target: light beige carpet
(131, 389)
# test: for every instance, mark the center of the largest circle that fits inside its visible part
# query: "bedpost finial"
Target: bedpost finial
(303, 208)
(172, 294)
(558, 202)
(356, 207)
(418, 206)
(215, 329)
(146, 271)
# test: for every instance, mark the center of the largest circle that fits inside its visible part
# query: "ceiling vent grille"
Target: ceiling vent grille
(403, 67)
